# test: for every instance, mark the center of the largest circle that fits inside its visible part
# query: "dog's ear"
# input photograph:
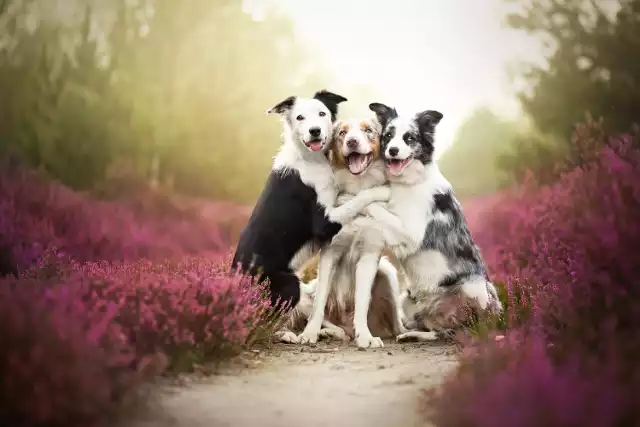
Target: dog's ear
(330, 100)
(429, 118)
(282, 106)
(384, 113)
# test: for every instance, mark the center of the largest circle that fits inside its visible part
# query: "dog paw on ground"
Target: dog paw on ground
(417, 336)
(333, 333)
(368, 341)
(286, 337)
(308, 337)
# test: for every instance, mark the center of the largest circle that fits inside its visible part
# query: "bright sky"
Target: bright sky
(448, 55)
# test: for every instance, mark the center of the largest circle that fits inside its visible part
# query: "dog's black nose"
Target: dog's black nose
(352, 143)
(315, 131)
(393, 151)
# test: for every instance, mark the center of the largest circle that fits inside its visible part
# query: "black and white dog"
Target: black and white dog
(432, 240)
(296, 207)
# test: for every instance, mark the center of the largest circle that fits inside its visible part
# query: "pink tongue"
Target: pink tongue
(356, 163)
(315, 146)
(395, 167)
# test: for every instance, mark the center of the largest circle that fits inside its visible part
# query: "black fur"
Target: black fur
(384, 113)
(282, 106)
(420, 136)
(452, 238)
(330, 100)
(286, 216)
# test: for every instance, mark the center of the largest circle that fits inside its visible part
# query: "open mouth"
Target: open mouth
(314, 145)
(358, 162)
(396, 166)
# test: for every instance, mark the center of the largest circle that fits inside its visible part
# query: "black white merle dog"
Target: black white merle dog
(432, 240)
(296, 208)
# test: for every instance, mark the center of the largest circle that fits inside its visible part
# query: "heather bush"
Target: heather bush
(99, 297)
(59, 363)
(567, 253)
(36, 215)
(190, 310)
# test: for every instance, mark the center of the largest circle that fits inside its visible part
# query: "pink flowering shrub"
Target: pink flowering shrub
(568, 254)
(98, 297)
(190, 310)
(36, 214)
(59, 363)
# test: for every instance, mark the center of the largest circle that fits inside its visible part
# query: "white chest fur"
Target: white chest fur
(314, 171)
(346, 182)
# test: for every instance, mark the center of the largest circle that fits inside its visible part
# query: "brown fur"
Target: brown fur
(336, 156)
(381, 312)
(380, 318)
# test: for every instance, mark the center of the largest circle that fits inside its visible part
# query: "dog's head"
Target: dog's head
(356, 144)
(406, 138)
(309, 121)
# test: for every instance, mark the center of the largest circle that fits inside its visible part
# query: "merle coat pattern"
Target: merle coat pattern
(435, 245)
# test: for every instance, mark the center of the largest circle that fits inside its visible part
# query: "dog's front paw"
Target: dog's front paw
(401, 329)
(366, 340)
(333, 333)
(381, 194)
(417, 336)
(308, 337)
(286, 337)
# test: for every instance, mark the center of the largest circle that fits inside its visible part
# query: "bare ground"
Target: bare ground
(329, 384)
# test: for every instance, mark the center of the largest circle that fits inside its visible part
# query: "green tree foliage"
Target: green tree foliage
(471, 163)
(161, 91)
(592, 68)
(591, 71)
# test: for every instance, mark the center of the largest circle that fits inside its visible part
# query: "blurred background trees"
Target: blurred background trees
(150, 91)
(591, 72)
(112, 96)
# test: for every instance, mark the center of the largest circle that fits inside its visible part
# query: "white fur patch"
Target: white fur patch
(402, 125)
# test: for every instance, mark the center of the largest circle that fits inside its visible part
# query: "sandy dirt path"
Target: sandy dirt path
(326, 385)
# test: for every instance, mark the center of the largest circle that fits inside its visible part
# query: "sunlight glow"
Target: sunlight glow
(449, 55)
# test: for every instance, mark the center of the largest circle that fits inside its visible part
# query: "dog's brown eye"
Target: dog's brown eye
(322, 114)
(300, 117)
(342, 133)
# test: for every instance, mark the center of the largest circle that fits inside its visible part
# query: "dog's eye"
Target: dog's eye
(387, 135)
(322, 114)
(300, 117)
(368, 130)
(342, 133)
(410, 139)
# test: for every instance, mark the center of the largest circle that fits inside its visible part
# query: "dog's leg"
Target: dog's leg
(476, 288)
(286, 336)
(333, 332)
(420, 336)
(385, 267)
(366, 270)
(354, 207)
(398, 232)
(304, 309)
(285, 289)
(328, 259)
